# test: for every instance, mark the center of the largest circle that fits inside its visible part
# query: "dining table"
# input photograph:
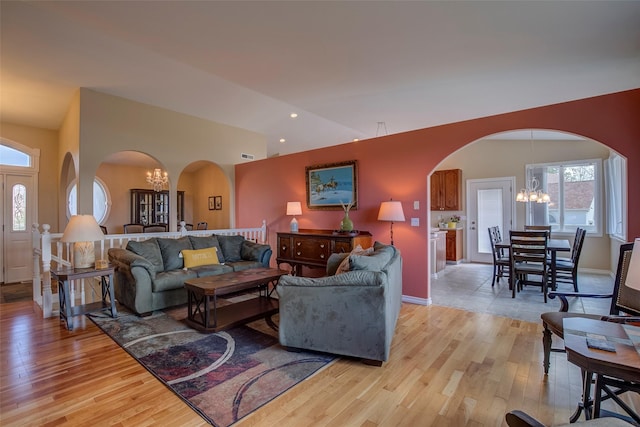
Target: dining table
(553, 247)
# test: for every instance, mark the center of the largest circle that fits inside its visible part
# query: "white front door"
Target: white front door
(490, 202)
(18, 213)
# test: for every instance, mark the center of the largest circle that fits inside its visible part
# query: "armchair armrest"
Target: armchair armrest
(621, 319)
(564, 303)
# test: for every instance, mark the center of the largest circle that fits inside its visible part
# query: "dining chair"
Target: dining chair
(155, 228)
(133, 228)
(623, 300)
(528, 259)
(567, 268)
(202, 225)
(188, 227)
(546, 228)
(500, 259)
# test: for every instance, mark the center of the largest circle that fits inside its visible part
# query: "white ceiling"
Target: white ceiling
(342, 66)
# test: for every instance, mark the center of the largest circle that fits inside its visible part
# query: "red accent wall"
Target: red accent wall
(397, 166)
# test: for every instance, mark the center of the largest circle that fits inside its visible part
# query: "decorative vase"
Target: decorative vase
(453, 224)
(346, 224)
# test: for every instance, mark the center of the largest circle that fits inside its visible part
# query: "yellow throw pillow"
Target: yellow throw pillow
(199, 257)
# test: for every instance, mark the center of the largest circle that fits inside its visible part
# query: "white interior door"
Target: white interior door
(490, 202)
(18, 213)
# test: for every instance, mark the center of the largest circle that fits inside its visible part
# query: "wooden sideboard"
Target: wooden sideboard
(312, 248)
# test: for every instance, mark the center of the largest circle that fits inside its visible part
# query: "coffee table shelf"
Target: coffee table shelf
(204, 313)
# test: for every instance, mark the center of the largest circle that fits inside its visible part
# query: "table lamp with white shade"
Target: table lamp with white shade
(293, 209)
(633, 273)
(391, 211)
(82, 231)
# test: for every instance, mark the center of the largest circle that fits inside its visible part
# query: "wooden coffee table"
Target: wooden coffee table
(204, 313)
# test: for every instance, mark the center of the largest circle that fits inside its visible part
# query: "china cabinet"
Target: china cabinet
(152, 207)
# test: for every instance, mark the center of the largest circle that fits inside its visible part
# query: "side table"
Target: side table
(620, 369)
(67, 311)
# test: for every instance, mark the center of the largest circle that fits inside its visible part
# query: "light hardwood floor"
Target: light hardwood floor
(448, 367)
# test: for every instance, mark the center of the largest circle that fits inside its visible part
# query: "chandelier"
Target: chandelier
(157, 179)
(532, 193)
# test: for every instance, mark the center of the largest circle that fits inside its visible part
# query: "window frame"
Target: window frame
(598, 201)
(616, 177)
(105, 189)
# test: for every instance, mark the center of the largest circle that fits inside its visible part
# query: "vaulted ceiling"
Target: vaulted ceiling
(354, 69)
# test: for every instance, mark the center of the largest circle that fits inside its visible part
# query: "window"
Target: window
(101, 200)
(574, 189)
(12, 157)
(19, 208)
(616, 192)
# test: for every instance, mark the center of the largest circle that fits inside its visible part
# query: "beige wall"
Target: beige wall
(502, 158)
(47, 142)
(109, 124)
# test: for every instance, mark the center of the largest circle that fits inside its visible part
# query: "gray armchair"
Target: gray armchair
(351, 314)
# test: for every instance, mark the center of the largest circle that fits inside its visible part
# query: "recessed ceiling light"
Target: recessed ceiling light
(293, 115)
(356, 139)
(282, 140)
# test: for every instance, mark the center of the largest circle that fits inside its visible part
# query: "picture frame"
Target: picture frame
(332, 185)
(218, 203)
(212, 203)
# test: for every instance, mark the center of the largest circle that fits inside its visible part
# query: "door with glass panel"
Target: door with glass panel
(490, 202)
(18, 203)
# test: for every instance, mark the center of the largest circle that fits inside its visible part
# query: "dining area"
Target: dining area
(532, 258)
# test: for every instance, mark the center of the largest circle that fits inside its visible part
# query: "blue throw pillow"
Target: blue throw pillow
(231, 247)
(170, 249)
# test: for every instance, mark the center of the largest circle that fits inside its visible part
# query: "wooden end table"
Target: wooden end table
(619, 369)
(67, 311)
(204, 313)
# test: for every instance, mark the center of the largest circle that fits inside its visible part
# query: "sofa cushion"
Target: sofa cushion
(198, 257)
(375, 261)
(207, 242)
(244, 265)
(170, 249)
(231, 247)
(345, 264)
(149, 250)
(174, 279)
(211, 270)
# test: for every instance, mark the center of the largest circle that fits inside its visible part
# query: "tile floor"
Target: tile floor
(468, 286)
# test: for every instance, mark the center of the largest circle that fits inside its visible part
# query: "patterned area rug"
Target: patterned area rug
(223, 376)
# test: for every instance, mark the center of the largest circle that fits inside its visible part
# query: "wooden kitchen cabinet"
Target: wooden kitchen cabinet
(454, 245)
(312, 248)
(446, 190)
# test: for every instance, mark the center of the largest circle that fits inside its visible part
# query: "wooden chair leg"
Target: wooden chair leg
(546, 345)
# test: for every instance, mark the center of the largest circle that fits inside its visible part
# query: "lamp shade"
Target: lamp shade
(294, 208)
(391, 211)
(82, 228)
(633, 274)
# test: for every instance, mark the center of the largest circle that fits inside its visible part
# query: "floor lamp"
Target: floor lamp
(391, 211)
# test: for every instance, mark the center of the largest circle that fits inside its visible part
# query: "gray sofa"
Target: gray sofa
(353, 313)
(150, 274)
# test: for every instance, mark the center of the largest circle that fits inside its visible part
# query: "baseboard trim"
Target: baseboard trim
(416, 300)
